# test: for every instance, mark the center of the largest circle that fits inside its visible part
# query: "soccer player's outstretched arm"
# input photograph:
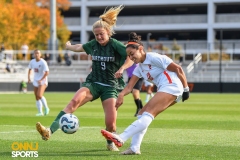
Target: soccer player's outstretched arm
(126, 90)
(75, 48)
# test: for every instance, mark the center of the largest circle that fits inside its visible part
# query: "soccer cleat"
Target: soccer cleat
(112, 137)
(39, 114)
(112, 147)
(45, 132)
(130, 152)
(46, 112)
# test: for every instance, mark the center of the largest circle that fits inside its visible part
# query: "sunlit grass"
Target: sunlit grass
(204, 127)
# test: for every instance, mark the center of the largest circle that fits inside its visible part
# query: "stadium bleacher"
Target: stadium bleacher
(79, 69)
(210, 72)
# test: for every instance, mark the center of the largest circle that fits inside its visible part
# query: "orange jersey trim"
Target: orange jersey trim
(168, 77)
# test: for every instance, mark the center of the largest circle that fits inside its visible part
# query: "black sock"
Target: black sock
(140, 104)
(137, 102)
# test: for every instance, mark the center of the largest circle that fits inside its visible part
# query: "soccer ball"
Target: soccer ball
(69, 123)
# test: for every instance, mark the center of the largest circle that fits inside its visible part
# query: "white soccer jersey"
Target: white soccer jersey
(153, 69)
(39, 68)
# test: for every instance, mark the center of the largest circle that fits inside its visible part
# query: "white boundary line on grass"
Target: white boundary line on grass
(17, 131)
(35, 130)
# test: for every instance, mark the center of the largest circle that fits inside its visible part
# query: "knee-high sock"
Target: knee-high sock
(44, 102)
(138, 103)
(39, 106)
(55, 124)
(137, 126)
(147, 97)
(152, 94)
(137, 139)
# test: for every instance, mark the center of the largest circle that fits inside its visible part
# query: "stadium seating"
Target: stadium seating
(79, 69)
(210, 72)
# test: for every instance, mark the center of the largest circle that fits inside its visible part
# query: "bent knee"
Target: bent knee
(72, 106)
(38, 97)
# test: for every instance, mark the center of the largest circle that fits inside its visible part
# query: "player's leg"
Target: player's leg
(41, 90)
(108, 102)
(82, 96)
(156, 105)
(136, 142)
(136, 95)
(38, 102)
(151, 92)
(110, 120)
(137, 100)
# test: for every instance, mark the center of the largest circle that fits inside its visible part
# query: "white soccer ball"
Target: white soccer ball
(69, 123)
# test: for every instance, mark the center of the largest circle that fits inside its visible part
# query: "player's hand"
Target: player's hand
(29, 80)
(119, 73)
(68, 43)
(185, 94)
(119, 101)
(39, 82)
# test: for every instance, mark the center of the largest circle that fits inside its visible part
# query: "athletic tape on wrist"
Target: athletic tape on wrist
(186, 89)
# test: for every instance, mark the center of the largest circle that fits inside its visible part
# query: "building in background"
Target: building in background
(193, 23)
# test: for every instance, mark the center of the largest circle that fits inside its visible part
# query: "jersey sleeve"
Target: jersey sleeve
(161, 61)
(137, 71)
(30, 65)
(88, 46)
(45, 66)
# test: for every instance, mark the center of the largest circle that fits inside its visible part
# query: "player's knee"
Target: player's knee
(38, 97)
(72, 106)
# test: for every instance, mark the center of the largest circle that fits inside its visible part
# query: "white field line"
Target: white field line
(17, 131)
(35, 130)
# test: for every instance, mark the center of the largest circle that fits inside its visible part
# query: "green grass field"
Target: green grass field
(207, 126)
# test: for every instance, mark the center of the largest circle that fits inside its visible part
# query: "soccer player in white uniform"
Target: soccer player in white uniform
(171, 85)
(40, 81)
(149, 87)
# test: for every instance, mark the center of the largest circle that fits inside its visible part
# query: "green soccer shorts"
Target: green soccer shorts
(104, 92)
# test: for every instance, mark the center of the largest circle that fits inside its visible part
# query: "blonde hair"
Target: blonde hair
(108, 19)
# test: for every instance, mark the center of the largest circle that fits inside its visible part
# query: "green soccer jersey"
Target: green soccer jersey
(106, 61)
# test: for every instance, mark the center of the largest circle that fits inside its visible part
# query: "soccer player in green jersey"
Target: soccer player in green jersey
(109, 59)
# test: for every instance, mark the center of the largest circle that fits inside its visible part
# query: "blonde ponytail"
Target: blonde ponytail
(108, 19)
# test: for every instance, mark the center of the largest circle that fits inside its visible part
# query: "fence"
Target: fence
(12, 56)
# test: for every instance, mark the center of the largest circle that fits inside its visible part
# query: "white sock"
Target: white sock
(147, 97)
(39, 106)
(152, 94)
(137, 139)
(137, 126)
(44, 102)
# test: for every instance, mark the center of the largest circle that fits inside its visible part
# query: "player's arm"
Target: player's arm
(181, 75)
(126, 90)
(45, 75)
(128, 63)
(75, 48)
(29, 73)
(173, 67)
